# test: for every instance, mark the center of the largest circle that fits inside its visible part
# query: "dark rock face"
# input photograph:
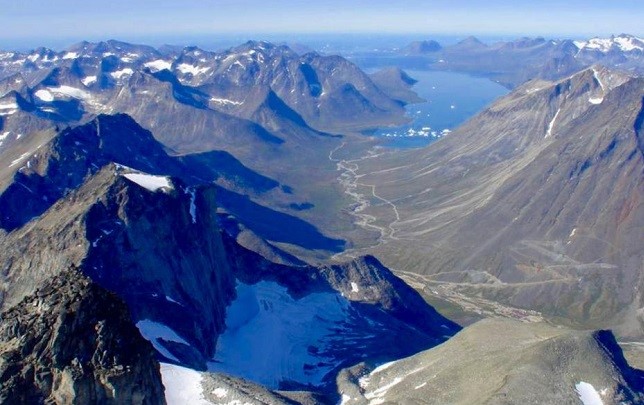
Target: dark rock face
(158, 250)
(72, 342)
(368, 281)
(163, 255)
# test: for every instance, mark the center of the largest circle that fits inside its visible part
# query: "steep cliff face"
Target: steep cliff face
(72, 342)
(150, 239)
(161, 251)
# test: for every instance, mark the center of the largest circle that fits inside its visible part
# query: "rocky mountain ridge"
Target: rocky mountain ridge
(72, 342)
(49, 164)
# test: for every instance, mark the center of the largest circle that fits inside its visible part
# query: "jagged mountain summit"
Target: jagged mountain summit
(535, 203)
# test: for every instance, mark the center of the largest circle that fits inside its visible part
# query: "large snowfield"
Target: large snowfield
(271, 337)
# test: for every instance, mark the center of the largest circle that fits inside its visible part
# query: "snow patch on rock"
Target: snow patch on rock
(87, 81)
(8, 106)
(123, 72)
(193, 70)
(182, 385)
(552, 124)
(157, 65)
(220, 392)
(153, 331)
(225, 101)
(148, 181)
(44, 95)
(20, 159)
(588, 394)
(70, 92)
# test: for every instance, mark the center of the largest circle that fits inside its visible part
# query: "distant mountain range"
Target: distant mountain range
(239, 90)
(512, 63)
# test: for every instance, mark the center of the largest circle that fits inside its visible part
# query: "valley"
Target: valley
(270, 224)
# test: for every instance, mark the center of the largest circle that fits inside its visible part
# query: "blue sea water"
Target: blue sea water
(451, 99)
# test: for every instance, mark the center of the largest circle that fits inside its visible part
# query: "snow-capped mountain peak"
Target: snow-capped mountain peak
(623, 42)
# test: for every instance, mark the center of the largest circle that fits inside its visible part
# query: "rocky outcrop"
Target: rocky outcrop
(72, 342)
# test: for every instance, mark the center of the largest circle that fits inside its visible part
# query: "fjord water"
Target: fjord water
(451, 99)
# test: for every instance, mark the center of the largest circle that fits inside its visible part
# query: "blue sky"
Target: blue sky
(48, 21)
